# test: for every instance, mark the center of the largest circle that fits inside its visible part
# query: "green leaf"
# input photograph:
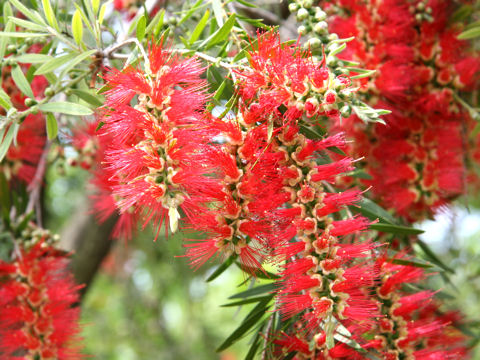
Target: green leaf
(219, 92)
(141, 26)
(461, 14)
(32, 15)
(246, 3)
(433, 257)
(373, 211)
(33, 58)
(12, 34)
(414, 263)
(153, 23)
(77, 60)
(54, 64)
(261, 289)
(469, 34)
(259, 273)
(337, 50)
(247, 301)
(218, 11)
(85, 18)
(200, 26)
(192, 9)
(369, 114)
(95, 5)
(9, 27)
(65, 107)
(28, 24)
(221, 268)
(101, 14)
(7, 140)
(77, 27)
(52, 126)
(5, 200)
(364, 75)
(222, 33)
(312, 133)
(253, 348)
(252, 318)
(88, 97)
(50, 15)
(395, 229)
(5, 100)
(21, 82)
(341, 41)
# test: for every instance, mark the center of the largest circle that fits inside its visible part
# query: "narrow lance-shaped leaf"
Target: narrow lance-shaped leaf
(77, 27)
(52, 126)
(221, 268)
(252, 318)
(470, 33)
(21, 81)
(141, 26)
(54, 64)
(65, 107)
(7, 140)
(49, 14)
(200, 26)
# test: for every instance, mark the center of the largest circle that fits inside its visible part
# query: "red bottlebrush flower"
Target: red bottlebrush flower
(37, 317)
(283, 83)
(158, 153)
(416, 167)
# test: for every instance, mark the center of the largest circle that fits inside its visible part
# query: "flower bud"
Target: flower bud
(320, 27)
(313, 43)
(330, 97)
(302, 14)
(302, 30)
(307, 4)
(346, 111)
(29, 102)
(311, 106)
(320, 15)
(292, 7)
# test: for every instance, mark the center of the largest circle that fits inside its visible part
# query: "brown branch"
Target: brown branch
(35, 186)
(90, 242)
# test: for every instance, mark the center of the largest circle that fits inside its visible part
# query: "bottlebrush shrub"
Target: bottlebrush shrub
(418, 161)
(38, 316)
(268, 182)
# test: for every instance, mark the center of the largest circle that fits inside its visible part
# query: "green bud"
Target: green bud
(34, 109)
(49, 92)
(429, 10)
(30, 102)
(173, 20)
(12, 48)
(418, 17)
(307, 4)
(68, 92)
(332, 37)
(302, 30)
(314, 43)
(346, 111)
(293, 7)
(421, 6)
(331, 61)
(320, 27)
(302, 14)
(320, 15)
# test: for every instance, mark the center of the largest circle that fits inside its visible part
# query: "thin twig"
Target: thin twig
(36, 185)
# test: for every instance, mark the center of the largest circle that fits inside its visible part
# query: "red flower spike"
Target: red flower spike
(44, 322)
